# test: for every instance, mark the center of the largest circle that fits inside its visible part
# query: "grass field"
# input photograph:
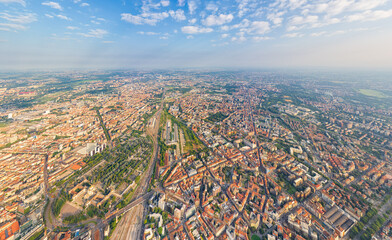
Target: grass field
(372, 93)
(255, 237)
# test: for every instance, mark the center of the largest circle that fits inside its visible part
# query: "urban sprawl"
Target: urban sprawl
(195, 155)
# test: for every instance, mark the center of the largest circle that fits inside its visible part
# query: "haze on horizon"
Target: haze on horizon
(60, 34)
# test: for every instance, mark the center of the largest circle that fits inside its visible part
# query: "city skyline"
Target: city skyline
(183, 34)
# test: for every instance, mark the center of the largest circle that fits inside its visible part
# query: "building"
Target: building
(8, 229)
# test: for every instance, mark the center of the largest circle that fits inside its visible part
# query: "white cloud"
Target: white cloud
(144, 18)
(370, 15)
(192, 6)
(225, 35)
(300, 20)
(293, 35)
(364, 5)
(212, 7)
(315, 8)
(22, 2)
(328, 12)
(241, 37)
(318, 34)
(276, 18)
(107, 42)
(63, 17)
(16, 22)
(331, 21)
(152, 33)
(132, 18)
(148, 33)
(221, 19)
(336, 7)
(339, 32)
(225, 28)
(72, 28)
(98, 18)
(294, 4)
(147, 5)
(259, 27)
(315, 14)
(245, 6)
(155, 16)
(177, 15)
(278, 4)
(95, 33)
(54, 5)
(195, 30)
(12, 26)
(165, 3)
(243, 24)
(55, 37)
(84, 5)
(22, 18)
(181, 3)
(48, 15)
(192, 21)
(294, 28)
(258, 39)
(324, 22)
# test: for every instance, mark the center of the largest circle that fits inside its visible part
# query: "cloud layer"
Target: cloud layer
(194, 26)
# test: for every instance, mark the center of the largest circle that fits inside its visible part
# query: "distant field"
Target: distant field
(372, 93)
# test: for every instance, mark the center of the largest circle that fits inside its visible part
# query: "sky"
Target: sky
(176, 34)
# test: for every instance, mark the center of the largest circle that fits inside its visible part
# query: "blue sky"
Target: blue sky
(194, 33)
